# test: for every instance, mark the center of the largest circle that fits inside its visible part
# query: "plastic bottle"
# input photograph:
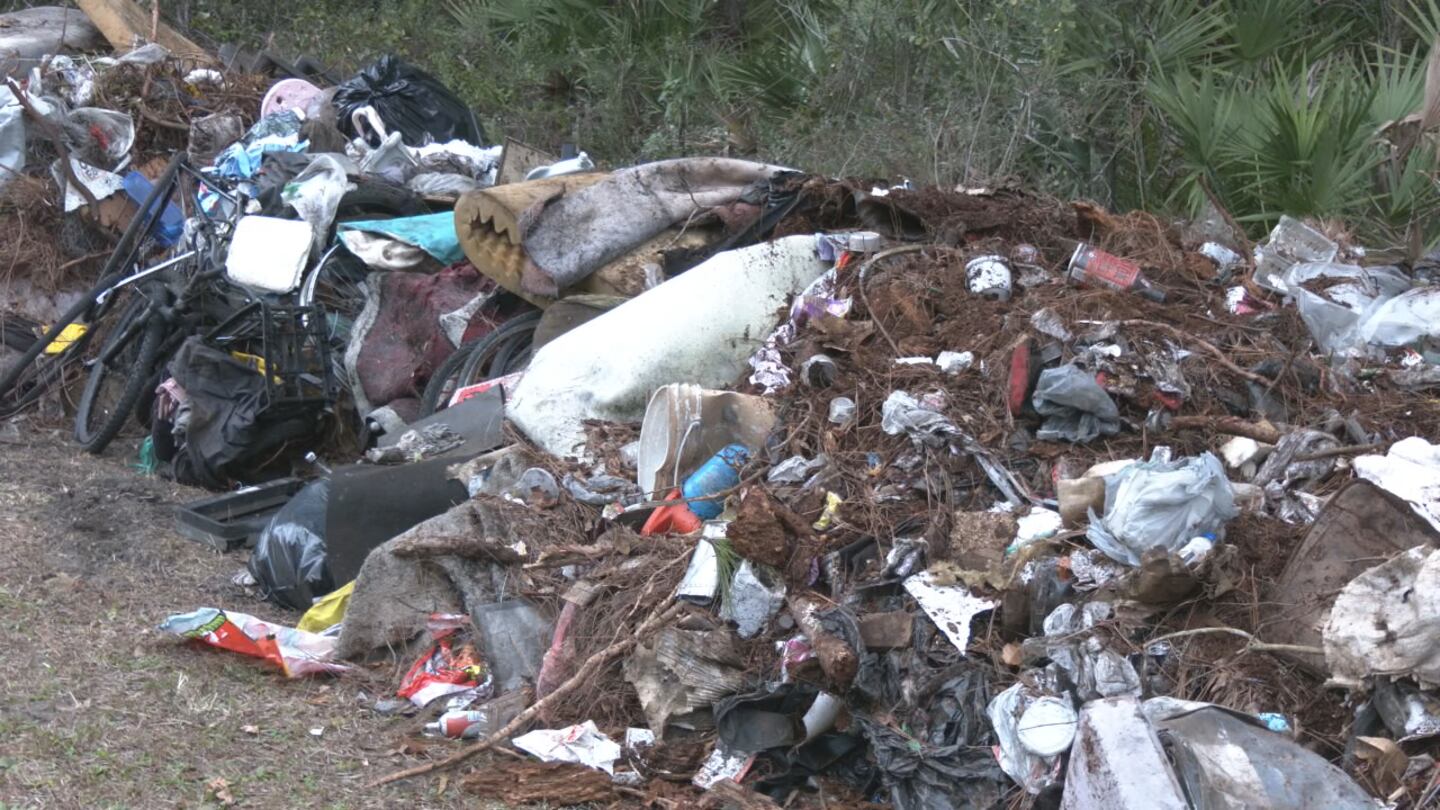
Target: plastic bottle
(718, 474)
(465, 725)
(1199, 547)
(489, 718)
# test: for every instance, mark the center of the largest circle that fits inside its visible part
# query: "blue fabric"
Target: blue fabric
(240, 162)
(432, 233)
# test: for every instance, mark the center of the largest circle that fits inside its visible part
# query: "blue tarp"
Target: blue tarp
(432, 233)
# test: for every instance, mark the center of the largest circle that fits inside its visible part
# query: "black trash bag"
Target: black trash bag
(945, 761)
(289, 561)
(231, 431)
(408, 100)
(926, 777)
(763, 720)
(838, 755)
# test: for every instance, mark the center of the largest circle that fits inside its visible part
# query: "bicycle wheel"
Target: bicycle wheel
(116, 384)
(472, 361)
(442, 383)
(494, 358)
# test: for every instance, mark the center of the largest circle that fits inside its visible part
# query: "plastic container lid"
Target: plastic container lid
(1047, 727)
(291, 94)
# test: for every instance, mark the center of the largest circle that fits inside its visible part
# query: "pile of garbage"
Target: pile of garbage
(713, 483)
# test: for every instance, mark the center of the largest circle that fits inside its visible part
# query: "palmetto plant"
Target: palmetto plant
(1278, 114)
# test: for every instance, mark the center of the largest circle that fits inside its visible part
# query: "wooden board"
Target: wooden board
(125, 24)
(518, 160)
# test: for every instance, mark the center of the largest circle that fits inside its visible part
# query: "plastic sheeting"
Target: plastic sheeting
(1338, 318)
(1410, 470)
(12, 137)
(1162, 504)
(1076, 408)
(1227, 759)
(1384, 622)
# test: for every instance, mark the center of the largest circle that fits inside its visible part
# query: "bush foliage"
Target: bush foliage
(1265, 107)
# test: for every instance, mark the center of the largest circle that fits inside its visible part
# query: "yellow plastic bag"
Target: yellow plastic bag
(67, 336)
(328, 611)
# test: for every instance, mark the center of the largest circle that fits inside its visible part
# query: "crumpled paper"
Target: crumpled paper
(581, 744)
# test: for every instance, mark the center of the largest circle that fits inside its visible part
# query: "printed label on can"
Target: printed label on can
(1096, 266)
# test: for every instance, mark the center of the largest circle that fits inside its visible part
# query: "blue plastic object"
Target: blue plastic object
(432, 233)
(718, 474)
(172, 223)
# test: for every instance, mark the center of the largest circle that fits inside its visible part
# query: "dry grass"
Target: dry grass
(97, 709)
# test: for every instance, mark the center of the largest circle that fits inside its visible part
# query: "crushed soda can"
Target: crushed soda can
(1225, 258)
(989, 277)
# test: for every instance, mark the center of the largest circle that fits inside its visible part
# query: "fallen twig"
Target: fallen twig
(582, 677)
(1230, 425)
(1181, 334)
(865, 269)
(1339, 451)
(1252, 644)
(162, 122)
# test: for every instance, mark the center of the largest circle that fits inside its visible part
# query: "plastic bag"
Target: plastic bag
(1353, 294)
(1076, 407)
(1406, 319)
(903, 413)
(409, 100)
(582, 744)
(390, 160)
(111, 134)
(289, 560)
(1029, 769)
(12, 137)
(328, 610)
(296, 652)
(1162, 504)
(452, 667)
(316, 192)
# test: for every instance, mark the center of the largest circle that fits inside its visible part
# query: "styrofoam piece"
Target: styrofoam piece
(268, 253)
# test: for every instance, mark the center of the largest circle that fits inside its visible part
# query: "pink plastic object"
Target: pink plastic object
(291, 94)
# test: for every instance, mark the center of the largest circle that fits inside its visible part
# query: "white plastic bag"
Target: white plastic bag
(1162, 504)
(12, 137)
(1410, 471)
(582, 744)
(1408, 318)
(111, 134)
(1354, 293)
(315, 194)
